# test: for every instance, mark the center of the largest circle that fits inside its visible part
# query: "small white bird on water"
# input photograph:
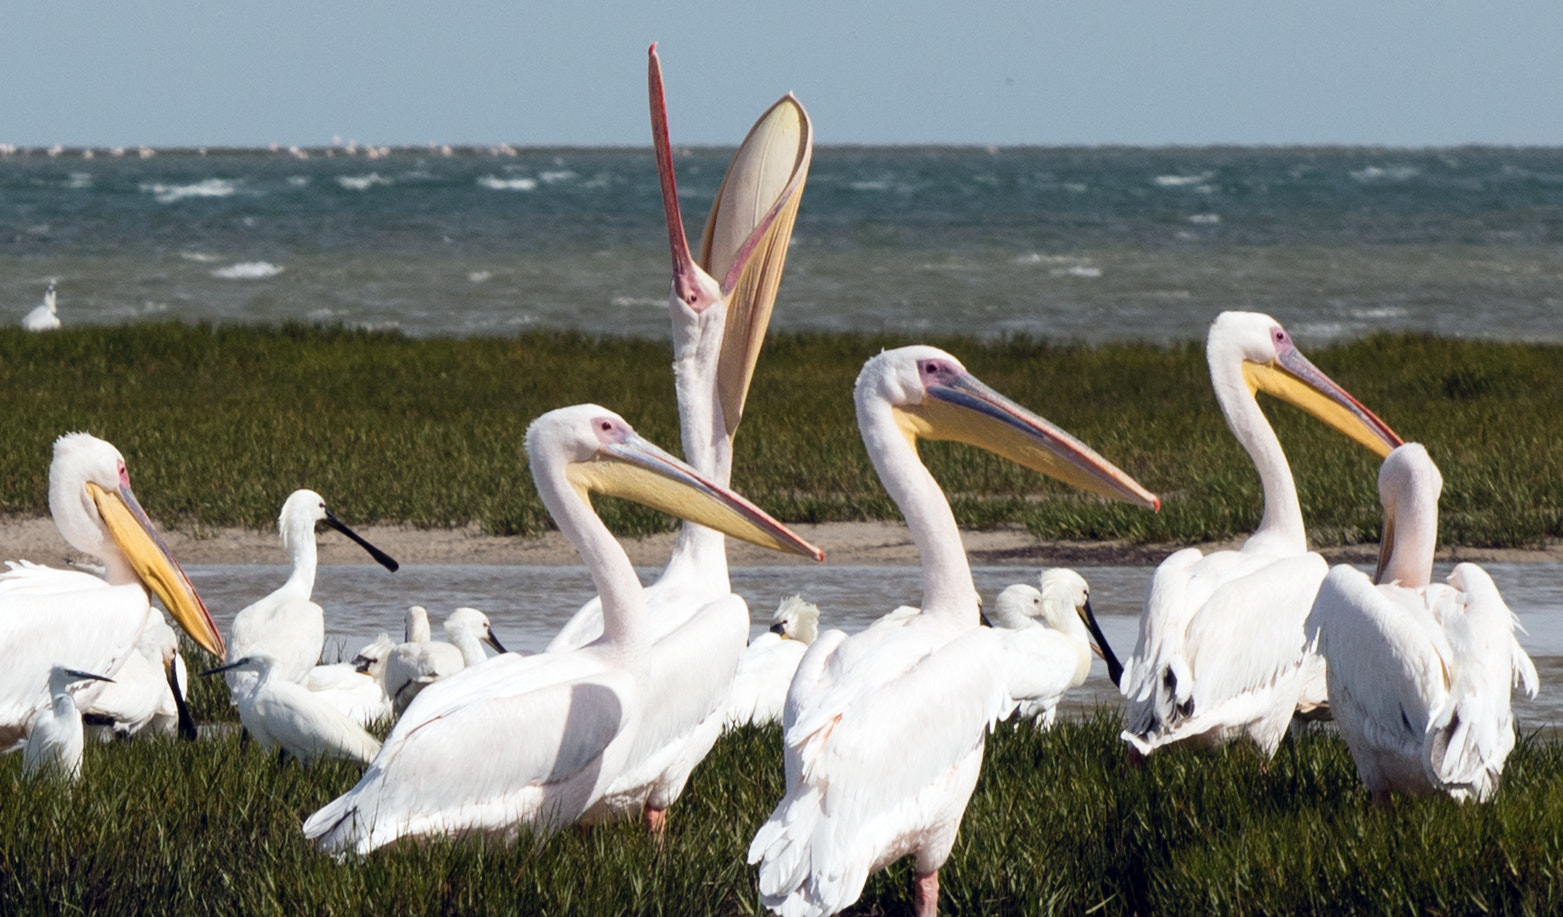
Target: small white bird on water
(286, 625)
(55, 741)
(1047, 636)
(43, 318)
(766, 668)
(283, 714)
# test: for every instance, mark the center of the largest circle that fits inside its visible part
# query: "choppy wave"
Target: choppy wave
(211, 187)
(1385, 174)
(247, 270)
(1183, 181)
(362, 182)
(495, 183)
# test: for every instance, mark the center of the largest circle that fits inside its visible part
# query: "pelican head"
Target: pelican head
(744, 246)
(1272, 363)
(796, 619)
(1409, 486)
(97, 513)
(602, 454)
(303, 509)
(933, 397)
(1062, 589)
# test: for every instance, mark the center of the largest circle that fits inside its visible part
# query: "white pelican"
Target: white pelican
(1420, 672)
(1221, 652)
(885, 729)
(285, 715)
(356, 687)
(1048, 635)
(412, 666)
(65, 617)
(147, 696)
(43, 318)
(765, 671)
(286, 625)
(718, 328)
(531, 743)
(55, 741)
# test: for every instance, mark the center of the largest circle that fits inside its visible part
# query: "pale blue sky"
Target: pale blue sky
(247, 73)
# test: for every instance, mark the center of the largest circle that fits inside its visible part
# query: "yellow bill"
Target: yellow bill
(130, 528)
(637, 470)
(967, 411)
(1292, 378)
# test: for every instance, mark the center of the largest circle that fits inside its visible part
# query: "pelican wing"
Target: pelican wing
(59, 617)
(868, 759)
(514, 743)
(1387, 670)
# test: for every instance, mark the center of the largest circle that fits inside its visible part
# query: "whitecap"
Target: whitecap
(1078, 270)
(479, 276)
(80, 180)
(247, 270)
(552, 177)
(298, 181)
(361, 182)
(1204, 219)
(1039, 258)
(869, 186)
(1391, 174)
(1381, 312)
(168, 194)
(638, 302)
(201, 257)
(495, 183)
(1183, 181)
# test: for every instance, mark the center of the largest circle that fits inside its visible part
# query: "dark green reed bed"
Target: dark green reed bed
(1058, 825)
(220, 424)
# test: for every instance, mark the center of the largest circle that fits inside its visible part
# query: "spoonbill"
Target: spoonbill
(283, 714)
(1221, 651)
(764, 673)
(286, 625)
(1420, 672)
(43, 317)
(356, 687)
(412, 666)
(532, 743)
(1048, 635)
(54, 617)
(885, 729)
(54, 743)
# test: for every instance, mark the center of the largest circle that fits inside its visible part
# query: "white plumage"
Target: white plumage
(286, 625)
(1419, 672)
(54, 743)
(356, 687)
(147, 695)
(766, 668)
(1221, 653)
(885, 730)
(1047, 636)
(284, 714)
(43, 317)
(412, 666)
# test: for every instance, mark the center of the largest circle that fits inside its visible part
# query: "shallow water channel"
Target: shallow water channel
(527, 605)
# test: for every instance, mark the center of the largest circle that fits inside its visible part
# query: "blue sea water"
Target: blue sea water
(1069, 244)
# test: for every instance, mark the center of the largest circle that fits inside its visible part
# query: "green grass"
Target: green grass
(219, 424)
(1058, 824)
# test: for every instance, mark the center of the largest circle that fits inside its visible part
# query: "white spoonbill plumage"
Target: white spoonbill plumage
(885, 730)
(1048, 635)
(1420, 672)
(412, 666)
(43, 317)
(54, 743)
(356, 687)
(531, 743)
(284, 714)
(54, 617)
(765, 671)
(286, 625)
(1221, 652)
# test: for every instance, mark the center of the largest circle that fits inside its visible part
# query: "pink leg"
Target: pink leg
(656, 822)
(925, 894)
